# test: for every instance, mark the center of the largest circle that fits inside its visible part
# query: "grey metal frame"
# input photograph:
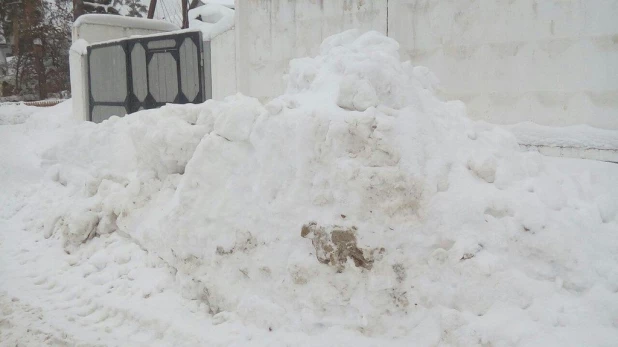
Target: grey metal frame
(148, 86)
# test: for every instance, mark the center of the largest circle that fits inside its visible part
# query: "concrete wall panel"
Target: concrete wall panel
(269, 33)
(552, 62)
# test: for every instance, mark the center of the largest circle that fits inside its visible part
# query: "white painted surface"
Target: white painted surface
(552, 62)
(269, 33)
(78, 66)
(223, 64)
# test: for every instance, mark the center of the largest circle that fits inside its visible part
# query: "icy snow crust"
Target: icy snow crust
(472, 242)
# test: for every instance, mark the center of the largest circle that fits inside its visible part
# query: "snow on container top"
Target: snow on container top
(102, 27)
(128, 22)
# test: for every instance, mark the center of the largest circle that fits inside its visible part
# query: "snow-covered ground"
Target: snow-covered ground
(357, 209)
(15, 113)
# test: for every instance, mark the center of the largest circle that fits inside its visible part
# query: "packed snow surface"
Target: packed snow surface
(15, 113)
(357, 209)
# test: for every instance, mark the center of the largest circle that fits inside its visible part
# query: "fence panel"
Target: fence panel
(146, 72)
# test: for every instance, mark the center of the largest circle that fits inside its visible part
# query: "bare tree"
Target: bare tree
(40, 36)
(131, 8)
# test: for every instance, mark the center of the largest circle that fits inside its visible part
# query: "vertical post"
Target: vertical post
(151, 9)
(185, 15)
(37, 50)
(78, 8)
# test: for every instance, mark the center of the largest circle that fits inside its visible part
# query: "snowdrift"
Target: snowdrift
(15, 113)
(356, 201)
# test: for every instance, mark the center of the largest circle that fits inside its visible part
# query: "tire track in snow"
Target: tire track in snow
(73, 306)
(20, 325)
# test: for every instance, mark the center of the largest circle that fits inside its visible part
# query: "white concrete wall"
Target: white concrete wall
(269, 33)
(223, 64)
(552, 62)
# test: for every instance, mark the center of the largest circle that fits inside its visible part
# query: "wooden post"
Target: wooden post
(40, 67)
(78, 8)
(185, 15)
(151, 9)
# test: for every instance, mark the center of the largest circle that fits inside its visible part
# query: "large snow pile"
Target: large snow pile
(356, 203)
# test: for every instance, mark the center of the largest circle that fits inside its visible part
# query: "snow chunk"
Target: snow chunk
(235, 117)
(356, 94)
(80, 47)
(212, 19)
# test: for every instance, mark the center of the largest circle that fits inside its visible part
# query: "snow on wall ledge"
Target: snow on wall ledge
(552, 62)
